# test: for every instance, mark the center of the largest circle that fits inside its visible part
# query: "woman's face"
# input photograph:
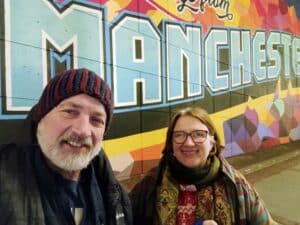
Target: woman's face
(188, 152)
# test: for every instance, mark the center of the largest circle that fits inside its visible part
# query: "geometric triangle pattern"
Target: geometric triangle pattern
(250, 132)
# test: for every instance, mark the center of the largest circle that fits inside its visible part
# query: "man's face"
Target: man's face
(70, 135)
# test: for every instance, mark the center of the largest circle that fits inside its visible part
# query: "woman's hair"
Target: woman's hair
(204, 118)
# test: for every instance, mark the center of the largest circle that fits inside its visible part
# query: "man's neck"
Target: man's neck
(71, 175)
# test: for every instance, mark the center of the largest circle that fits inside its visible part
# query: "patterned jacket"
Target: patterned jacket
(20, 200)
(248, 207)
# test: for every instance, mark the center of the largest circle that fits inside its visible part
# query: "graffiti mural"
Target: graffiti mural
(240, 60)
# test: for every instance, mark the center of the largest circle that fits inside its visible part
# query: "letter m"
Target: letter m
(37, 36)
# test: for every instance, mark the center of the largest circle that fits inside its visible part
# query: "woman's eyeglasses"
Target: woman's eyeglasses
(198, 136)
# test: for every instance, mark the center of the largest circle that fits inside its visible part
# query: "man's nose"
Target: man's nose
(82, 126)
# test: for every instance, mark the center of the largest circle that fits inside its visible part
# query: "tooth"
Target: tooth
(74, 143)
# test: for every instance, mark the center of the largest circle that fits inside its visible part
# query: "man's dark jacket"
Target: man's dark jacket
(20, 199)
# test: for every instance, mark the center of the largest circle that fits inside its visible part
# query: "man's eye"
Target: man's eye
(97, 121)
(70, 111)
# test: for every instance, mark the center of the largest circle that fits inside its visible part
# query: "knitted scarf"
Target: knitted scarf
(210, 191)
(197, 176)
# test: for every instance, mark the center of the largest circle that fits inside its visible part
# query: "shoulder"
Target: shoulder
(150, 177)
(233, 174)
(14, 158)
(245, 190)
(146, 185)
(12, 164)
(9, 151)
(238, 181)
(143, 197)
(251, 207)
(105, 177)
(3, 147)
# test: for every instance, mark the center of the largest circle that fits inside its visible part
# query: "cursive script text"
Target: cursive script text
(198, 6)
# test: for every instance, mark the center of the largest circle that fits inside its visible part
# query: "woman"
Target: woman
(193, 184)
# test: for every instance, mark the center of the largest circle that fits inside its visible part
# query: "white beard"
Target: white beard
(67, 161)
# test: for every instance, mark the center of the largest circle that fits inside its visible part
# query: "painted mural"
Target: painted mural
(238, 59)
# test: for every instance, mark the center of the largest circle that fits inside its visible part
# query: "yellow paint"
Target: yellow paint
(157, 16)
(268, 120)
(170, 7)
(130, 143)
(114, 147)
(114, 7)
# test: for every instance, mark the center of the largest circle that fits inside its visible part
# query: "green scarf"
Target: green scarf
(198, 176)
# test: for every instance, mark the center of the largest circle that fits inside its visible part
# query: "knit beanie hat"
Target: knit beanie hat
(70, 83)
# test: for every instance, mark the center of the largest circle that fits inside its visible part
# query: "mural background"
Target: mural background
(240, 60)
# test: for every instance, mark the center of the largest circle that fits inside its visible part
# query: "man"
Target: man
(59, 175)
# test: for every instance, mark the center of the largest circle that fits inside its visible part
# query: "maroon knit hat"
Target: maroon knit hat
(70, 83)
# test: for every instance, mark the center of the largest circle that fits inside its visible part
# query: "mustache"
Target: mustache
(75, 138)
